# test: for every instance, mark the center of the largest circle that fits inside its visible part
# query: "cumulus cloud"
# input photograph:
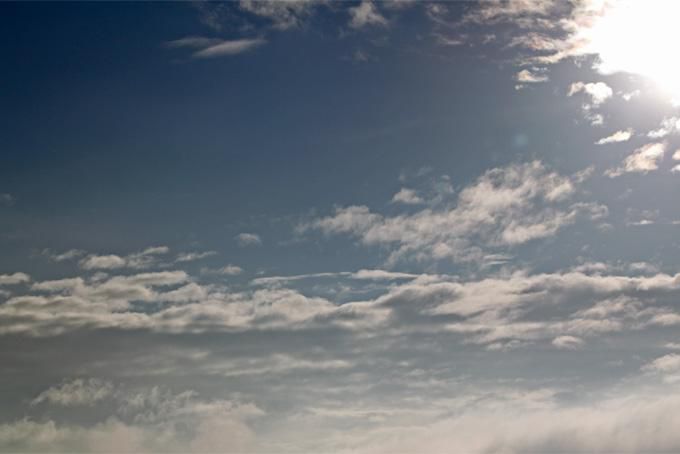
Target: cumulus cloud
(248, 239)
(504, 207)
(642, 160)
(142, 420)
(598, 92)
(529, 76)
(366, 14)
(618, 136)
(407, 196)
(567, 342)
(137, 260)
(14, 278)
(283, 15)
(76, 392)
(668, 126)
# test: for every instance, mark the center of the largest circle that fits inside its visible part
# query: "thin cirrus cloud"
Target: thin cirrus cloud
(214, 47)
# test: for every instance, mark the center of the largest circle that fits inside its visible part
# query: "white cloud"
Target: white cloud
(568, 342)
(193, 256)
(215, 47)
(618, 136)
(76, 392)
(504, 207)
(664, 364)
(528, 76)
(668, 126)
(230, 270)
(143, 420)
(407, 196)
(642, 160)
(365, 14)
(137, 260)
(15, 278)
(284, 15)
(598, 92)
(248, 239)
(228, 48)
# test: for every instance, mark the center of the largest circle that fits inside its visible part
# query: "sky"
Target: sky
(317, 226)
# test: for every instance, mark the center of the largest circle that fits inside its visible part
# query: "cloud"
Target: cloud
(365, 14)
(137, 260)
(76, 392)
(283, 15)
(13, 279)
(67, 255)
(664, 364)
(642, 160)
(194, 42)
(248, 239)
(193, 256)
(523, 12)
(6, 199)
(140, 420)
(407, 196)
(568, 342)
(228, 48)
(670, 125)
(618, 136)
(229, 270)
(215, 47)
(505, 207)
(528, 76)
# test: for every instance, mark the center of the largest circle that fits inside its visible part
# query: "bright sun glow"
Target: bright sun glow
(641, 37)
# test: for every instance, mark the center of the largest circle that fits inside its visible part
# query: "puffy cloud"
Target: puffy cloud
(283, 15)
(142, 420)
(76, 392)
(504, 207)
(248, 239)
(15, 278)
(598, 92)
(567, 342)
(138, 260)
(528, 76)
(618, 136)
(664, 364)
(668, 126)
(366, 14)
(407, 196)
(522, 12)
(642, 160)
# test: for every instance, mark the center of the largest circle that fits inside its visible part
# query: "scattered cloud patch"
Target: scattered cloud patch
(618, 136)
(215, 47)
(366, 14)
(407, 196)
(643, 160)
(248, 239)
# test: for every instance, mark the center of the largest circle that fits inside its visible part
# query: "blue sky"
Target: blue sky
(316, 226)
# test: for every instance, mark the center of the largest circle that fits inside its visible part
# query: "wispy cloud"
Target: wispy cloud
(215, 47)
(618, 136)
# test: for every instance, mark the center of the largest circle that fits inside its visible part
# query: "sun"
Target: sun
(640, 37)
